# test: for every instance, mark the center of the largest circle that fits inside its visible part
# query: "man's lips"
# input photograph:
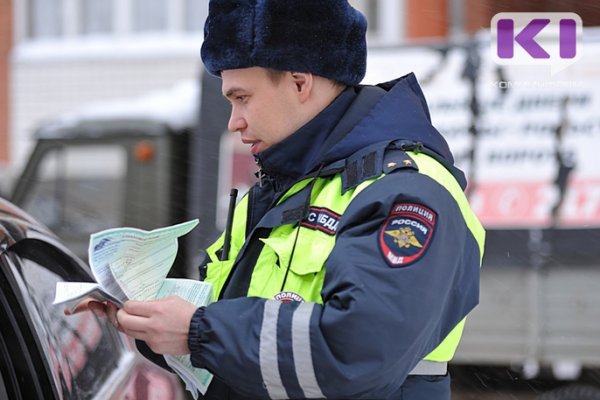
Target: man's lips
(253, 143)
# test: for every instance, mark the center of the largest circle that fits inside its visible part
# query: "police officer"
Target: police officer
(354, 261)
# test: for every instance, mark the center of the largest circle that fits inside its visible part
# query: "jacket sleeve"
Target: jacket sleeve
(377, 320)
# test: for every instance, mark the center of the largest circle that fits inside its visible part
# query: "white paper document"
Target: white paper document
(130, 263)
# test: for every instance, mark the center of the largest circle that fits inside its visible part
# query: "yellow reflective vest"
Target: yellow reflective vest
(292, 264)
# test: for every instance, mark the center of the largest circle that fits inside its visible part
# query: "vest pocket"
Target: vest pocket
(304, 278)
(311, 249)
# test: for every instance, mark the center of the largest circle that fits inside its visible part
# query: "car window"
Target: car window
(79, 189)
(81, 350)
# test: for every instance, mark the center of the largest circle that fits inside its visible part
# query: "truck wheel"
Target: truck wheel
(572, 392)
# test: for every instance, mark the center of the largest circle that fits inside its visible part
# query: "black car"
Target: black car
(47, 355)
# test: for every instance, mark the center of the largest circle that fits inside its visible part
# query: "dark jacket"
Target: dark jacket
(376, 321)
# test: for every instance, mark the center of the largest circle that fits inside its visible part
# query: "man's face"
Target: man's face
(264, 111)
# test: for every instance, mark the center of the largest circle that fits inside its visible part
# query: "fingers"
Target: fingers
(111, 314)
(142, 308)
(84, 305)
(105, 310)
(155, 315)
(163, 324)
(111, 311)
(133, 325)
(98, 308)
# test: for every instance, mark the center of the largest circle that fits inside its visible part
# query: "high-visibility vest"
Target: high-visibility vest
(311, 247)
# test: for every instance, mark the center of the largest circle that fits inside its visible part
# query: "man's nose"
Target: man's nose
(236, 122)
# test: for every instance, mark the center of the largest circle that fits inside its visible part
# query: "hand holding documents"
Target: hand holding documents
(130, 263)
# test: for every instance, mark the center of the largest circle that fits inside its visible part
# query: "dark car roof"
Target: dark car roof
(16, 224)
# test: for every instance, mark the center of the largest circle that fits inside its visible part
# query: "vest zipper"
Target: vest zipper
(304, 214)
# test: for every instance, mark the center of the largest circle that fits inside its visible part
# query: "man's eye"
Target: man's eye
(241, 99)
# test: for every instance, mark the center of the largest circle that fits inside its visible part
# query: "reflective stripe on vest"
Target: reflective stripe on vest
(304, 280)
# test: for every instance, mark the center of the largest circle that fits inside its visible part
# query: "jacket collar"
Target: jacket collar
(359, 117)
(296, 155)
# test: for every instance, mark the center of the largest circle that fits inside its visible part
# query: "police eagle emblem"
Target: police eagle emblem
(406, 233)
(404, 237)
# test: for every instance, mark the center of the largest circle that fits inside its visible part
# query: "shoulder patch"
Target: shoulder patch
(406, 233)
(322, 219)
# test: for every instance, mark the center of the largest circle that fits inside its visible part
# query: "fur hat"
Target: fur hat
(324, 37)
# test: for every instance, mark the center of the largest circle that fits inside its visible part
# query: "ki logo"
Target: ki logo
(552, 39)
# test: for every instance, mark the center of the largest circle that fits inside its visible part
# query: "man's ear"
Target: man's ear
(303, 82)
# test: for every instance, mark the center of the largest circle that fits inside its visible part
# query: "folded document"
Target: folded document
(130, 263)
